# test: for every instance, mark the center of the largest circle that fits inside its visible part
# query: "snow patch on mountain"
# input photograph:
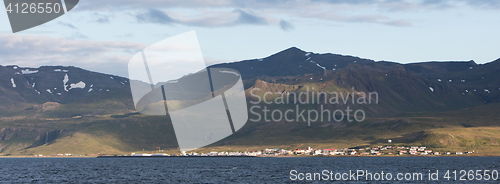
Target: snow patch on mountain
(13, 83)
(320, 66)
(80, 84)
(28, 71)
(66, 79)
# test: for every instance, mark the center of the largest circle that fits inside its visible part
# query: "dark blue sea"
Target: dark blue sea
(251, 170)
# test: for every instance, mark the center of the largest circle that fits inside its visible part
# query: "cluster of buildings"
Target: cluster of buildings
(378, 150)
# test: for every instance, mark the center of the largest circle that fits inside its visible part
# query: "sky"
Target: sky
(103, 35)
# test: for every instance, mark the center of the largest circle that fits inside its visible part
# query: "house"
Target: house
(337, 153)
(299, 152)
(141, 155)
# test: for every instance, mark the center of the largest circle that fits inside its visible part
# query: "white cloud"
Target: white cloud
(368, 11)
(286, 26)
(35, 51)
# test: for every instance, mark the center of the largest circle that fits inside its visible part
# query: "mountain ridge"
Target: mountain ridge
(32, 111)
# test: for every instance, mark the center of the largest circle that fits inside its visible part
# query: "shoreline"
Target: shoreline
(304, 156)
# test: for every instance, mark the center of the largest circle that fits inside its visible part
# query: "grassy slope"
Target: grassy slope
(100, 132)
(474, 129)
(465, 129)
(484, 140)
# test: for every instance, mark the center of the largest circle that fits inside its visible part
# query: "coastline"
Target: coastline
(277, 156)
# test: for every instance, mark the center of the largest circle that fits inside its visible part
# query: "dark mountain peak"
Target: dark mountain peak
(289, 53)
(293, 49)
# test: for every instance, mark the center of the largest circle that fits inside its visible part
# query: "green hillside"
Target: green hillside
(474, 128)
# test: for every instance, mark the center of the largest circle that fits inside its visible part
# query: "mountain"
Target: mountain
(55, 109)
(414, 87)
(292, 62)
(22, 88)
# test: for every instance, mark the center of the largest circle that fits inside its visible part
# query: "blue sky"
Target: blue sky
(103, 35)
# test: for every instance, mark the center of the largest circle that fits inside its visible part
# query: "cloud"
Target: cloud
(101, 18)
(247, 18)
(78, 35)
(399, 23)
(210, 19)
(487, 4)
(35, 51)
(286, 26)
(67, 25)
(372, 19)
(275, 4)
(155, 16)
(224, 13)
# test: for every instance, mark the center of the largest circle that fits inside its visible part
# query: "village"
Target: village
(386, 150)
(367, 151)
